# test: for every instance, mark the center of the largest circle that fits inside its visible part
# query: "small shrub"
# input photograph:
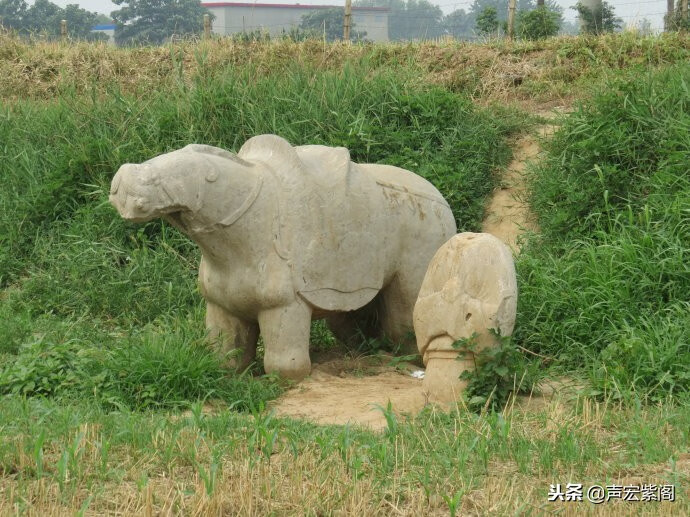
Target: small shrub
(43, 369)
(500, 370)
(598, 21)
(538, 23)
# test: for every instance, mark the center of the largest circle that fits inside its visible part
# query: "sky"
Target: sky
(631, 11)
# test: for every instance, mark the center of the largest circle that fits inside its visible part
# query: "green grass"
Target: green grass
(606, 287)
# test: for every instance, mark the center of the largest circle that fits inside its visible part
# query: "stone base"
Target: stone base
(442, 383)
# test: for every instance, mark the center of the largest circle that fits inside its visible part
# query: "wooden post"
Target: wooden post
(63, 29)
(540, 3)
(348, 20)
(207, 26)
(511, 18)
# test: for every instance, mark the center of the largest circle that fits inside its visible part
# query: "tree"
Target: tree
(458, 24)
(43, 17)
(675, 20)
(487, 22)
(538, 23)
(501, 7)
(13, 14)
(330, 22)
(151, 22)
(103, 19)
(79, 22)
(598, 17)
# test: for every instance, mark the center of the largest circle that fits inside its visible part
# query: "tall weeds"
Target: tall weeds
(607, 285)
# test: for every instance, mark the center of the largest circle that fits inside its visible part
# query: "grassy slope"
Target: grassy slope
(606, 287)
(550, 70)
(104, 317)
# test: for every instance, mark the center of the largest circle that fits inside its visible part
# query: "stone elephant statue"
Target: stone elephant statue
(290, 234)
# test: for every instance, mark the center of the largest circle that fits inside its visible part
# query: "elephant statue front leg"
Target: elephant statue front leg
(285, 331)
(232, 335)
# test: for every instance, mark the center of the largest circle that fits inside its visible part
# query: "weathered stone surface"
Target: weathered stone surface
(288, 234)
(469, 287)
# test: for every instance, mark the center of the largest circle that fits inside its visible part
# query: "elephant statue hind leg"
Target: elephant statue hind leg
(285, 331)
(230, 333)
(353, 328)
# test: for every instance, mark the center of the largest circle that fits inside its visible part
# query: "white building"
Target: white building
(234, 18)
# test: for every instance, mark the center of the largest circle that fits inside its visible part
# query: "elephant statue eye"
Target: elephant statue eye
(212, 176)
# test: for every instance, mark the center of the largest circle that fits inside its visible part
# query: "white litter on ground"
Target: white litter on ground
(417, 374)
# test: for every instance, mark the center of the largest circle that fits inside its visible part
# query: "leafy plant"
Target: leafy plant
(499, 370)
(44, 368)
(538, 23)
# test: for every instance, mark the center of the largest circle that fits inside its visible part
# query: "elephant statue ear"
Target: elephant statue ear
(274, 151)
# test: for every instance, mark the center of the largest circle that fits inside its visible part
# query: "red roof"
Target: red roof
(288, 6)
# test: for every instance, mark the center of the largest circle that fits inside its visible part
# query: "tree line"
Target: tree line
(43, 17)
(146, 22)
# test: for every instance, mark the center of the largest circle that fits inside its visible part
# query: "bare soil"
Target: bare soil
(508, 216)
(334, 395)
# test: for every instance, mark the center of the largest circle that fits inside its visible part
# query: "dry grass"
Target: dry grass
(546, 70)
(167, 477)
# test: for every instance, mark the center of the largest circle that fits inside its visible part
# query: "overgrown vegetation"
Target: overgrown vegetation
(539, 23)
(550, 69)
(606, 285)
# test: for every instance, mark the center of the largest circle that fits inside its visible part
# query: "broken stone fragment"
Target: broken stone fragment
(469, 287)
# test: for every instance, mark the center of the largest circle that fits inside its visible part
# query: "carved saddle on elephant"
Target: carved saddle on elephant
(327, 209)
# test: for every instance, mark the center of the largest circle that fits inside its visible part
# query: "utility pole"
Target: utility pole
(63, 29)
(348, 20)
(207, 26)
(511, 18)
(684, 12)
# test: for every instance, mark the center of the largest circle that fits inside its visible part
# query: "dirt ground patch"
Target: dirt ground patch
(508, 215)
(334, 395)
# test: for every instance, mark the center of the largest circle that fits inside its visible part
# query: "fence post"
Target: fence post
(207, 26)
(348, 20)
(511, 18)
(63, 29)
